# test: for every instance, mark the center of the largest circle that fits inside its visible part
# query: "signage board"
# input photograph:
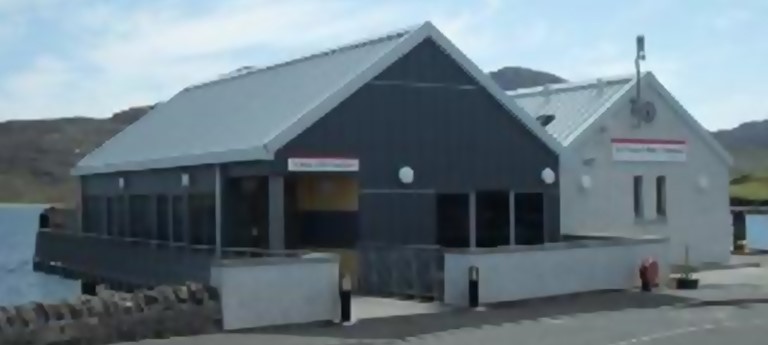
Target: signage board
(323, 164)
(649, 150)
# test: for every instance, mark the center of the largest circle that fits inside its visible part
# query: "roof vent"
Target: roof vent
(600, 85)
(545, 119)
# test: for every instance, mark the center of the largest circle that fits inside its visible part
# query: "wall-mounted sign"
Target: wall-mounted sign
(649, 150)
(323, 164)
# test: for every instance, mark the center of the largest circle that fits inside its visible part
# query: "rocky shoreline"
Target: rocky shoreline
(110, 316)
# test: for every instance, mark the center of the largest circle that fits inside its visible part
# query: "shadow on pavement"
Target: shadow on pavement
(739, 303)
(398, 327)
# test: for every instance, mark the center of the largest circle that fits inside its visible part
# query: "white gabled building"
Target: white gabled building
(651, 171)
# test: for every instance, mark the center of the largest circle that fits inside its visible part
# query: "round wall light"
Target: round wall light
(120, 182)
(406, 175)
(703, 182)
(548, 176)
(586, 181)
(185, 180)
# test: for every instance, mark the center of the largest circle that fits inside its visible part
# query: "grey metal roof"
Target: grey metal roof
(578, 106)
(249, 114)
(573, 104)
(234, 115)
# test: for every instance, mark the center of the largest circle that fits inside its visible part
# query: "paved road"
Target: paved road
(730, 308)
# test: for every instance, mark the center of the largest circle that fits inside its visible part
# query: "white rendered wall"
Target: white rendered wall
(510, 274)
(696, 217)
(265, 292)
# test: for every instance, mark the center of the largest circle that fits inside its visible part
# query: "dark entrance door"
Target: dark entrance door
(453, 220)
(249, 212)
(492, 218)
(529, 218)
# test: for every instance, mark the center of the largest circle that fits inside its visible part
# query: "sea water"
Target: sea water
(18, 283)
(757, 231)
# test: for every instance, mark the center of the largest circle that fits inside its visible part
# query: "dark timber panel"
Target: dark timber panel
(427, 63)
(398, 218)
(455, 139)
(159, 181)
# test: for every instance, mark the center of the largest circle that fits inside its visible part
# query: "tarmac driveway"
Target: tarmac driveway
(730, 308)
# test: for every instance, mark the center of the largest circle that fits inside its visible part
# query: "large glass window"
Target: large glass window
(638, 196)
(119, 218)
(92, 215)
(163, 218)
(661, 196)
(141, 216)
(202, 218)
(177, 219)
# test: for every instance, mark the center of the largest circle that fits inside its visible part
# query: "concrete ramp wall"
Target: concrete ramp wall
(274, 291)
(524, 272)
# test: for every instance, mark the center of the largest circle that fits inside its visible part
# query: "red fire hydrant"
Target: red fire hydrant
(649, 271)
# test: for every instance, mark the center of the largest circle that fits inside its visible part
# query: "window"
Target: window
(177, 219)
(638, 196)
(110, 214)
(93, 215)
(117, 216)
(163, 218)
(88, 215)
(141, 216)
(661, 196)
(202, 218)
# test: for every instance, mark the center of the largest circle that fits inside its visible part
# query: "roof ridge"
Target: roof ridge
(247, 70)
(567, 86)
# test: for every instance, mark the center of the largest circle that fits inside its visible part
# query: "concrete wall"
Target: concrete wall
(274, 291)
(696, 217)
(509, 274)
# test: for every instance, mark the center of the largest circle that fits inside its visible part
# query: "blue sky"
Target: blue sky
(92, 58)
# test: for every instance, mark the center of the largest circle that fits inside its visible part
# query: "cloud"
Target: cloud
(732, 19)
(101, 57)
(122, 55)
(27, 92)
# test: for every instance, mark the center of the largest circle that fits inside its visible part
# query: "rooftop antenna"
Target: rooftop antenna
(640, 43)
(644, 112)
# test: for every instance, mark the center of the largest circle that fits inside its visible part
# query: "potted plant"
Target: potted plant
(686, 280)
(740, 247)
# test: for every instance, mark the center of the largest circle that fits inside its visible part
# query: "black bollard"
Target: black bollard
(345, 293)
(474, 287)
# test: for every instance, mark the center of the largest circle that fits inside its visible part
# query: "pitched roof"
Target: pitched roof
(578, 105)
(573, 104)
(251, 113)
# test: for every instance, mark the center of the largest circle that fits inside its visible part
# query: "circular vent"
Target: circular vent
(644, 111)
(545, 119)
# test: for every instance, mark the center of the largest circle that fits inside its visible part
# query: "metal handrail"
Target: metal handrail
(252, 252)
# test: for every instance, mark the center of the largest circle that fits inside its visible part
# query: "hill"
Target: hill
(36, 155)
(748, 143)
(511, 78)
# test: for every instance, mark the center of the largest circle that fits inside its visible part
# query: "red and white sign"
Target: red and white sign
(649, 150)
(323, 164)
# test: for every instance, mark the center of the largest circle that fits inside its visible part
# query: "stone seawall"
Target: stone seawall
(111, 316)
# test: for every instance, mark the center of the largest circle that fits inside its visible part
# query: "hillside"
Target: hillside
(748, 143)
(36, 155)
(511, 78)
